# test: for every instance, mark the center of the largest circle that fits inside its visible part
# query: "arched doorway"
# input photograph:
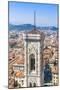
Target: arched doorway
(32, 62)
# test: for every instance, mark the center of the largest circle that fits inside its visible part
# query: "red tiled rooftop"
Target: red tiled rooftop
(20, 59)
(19, 74)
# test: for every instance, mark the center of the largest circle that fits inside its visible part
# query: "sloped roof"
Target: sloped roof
(47, 53)
(55, 69)
(19, 74)
(34, 32)
(20, 59)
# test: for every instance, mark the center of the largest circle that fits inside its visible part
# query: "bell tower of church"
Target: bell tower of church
(33, 48)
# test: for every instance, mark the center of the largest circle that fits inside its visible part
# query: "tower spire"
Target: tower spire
(34, 20)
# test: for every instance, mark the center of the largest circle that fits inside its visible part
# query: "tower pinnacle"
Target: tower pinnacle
(34, 20)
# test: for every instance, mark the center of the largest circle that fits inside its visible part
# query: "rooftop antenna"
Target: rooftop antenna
(34, 20)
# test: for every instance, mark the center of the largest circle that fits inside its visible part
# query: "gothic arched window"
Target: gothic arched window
(32, 62)
(34, 84)
(30, 84)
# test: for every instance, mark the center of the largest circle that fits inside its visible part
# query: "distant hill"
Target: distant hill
(21, 27)
(30, 27)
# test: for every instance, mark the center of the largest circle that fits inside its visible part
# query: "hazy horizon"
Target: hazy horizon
(23, 13)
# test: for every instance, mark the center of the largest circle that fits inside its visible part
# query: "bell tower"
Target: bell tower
(33, 66)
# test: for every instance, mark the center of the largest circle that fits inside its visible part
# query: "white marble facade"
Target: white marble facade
(32, 50)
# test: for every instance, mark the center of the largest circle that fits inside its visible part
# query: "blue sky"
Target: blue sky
(23, 13)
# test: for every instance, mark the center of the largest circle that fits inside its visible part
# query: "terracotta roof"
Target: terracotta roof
(12, 41)
(20, 59)
(46, 56)
(19, 74)
(47, 53)
(11, 55)
(55, 69)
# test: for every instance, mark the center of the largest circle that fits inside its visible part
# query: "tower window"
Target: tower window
(32, 62)
(30, 84)
(34, 84)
